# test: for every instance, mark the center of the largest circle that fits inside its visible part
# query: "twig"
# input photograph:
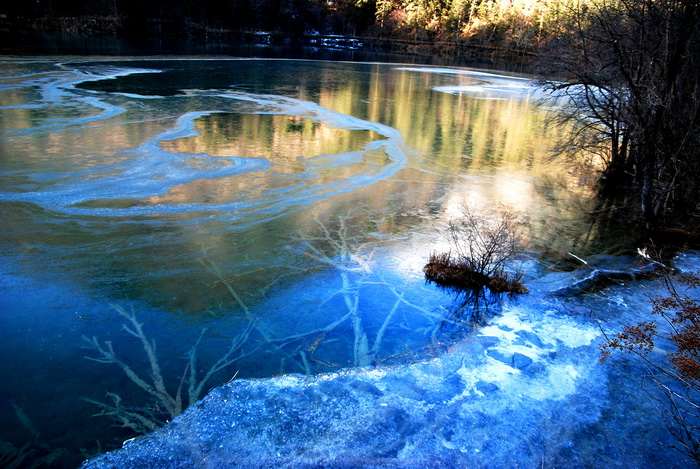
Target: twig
(580, 260)
(143, 419)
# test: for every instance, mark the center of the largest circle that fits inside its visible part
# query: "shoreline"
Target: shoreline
(108, 36)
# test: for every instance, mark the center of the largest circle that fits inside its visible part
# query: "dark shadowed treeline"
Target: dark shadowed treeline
(180, 18)
(509, 24)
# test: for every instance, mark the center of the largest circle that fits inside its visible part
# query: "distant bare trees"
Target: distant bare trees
(630, 73)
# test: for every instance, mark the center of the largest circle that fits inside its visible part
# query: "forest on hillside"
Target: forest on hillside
(510, 24)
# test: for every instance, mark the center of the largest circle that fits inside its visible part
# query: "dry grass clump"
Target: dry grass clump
(448, 272)
(453, 273)
(507, 284)
(479, 251)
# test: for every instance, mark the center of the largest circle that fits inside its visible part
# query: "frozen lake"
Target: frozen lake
(279, 213)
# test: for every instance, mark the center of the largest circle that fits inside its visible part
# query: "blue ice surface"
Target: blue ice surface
(526, 390)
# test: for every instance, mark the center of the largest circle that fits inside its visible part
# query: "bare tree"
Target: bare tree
(480, 249)
(628, 69)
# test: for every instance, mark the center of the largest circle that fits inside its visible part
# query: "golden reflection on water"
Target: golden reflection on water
(500, 141)
(286, 142)
(488, 150)
(282, 140)
(463, 148)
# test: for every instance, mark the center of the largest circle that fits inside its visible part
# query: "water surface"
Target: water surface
(280, 210)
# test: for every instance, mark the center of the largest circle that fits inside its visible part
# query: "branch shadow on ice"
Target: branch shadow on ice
(34, 453)
(470, 305)
(365, 332)
(334, 244)
(165, 404)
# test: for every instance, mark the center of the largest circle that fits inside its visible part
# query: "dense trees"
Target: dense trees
(505, 23)
(186, 18)
(520, 24)
(633, 87)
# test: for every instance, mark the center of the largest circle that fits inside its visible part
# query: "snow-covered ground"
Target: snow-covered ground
(527, 390)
